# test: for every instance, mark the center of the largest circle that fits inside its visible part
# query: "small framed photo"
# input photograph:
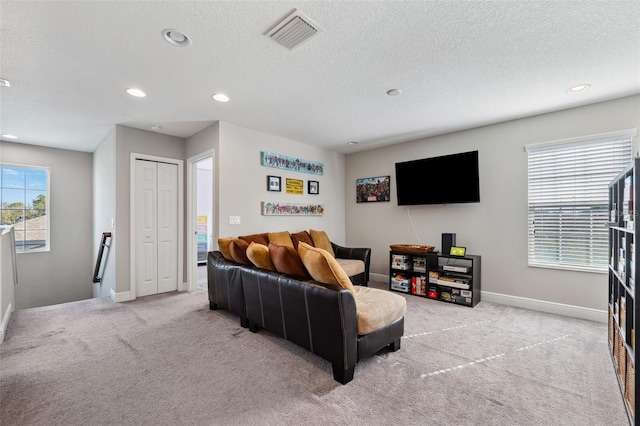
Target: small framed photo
(313, 187)
(274, 183)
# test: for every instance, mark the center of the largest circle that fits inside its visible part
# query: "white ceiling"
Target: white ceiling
(459, 65)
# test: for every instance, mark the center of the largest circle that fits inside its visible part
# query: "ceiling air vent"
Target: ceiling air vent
(293, 30)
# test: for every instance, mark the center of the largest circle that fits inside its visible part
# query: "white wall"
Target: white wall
(129, 140)
(495, 228)
(64, 273)
(7, 278)
(239, 183)
(204, 140)
(242, 185)
(104, 208)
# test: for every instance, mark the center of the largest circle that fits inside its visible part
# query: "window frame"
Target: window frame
(47, 246)
(623, 136)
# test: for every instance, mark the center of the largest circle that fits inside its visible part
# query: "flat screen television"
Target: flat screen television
(447, 179)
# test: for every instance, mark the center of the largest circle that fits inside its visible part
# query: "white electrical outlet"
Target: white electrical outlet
(234, 220)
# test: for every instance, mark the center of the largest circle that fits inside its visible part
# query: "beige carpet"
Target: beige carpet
(169, 360)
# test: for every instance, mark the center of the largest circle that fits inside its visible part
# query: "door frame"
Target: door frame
(132, 218)
(192, 241)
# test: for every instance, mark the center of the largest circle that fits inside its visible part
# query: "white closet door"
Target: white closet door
(167, 227)
(146, 228)
(156, 227)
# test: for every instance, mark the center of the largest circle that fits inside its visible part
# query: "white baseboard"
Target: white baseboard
(378, 277)
(544, 306)
(533, 304)
(5, 322)
(124, 296)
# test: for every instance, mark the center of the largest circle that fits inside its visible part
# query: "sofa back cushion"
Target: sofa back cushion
(302, 236)
(286, 260)
(321, 240)
(256, 238)
(281, 238)
(223, 245)
(238, 250)
(258, 254)
(323, 267)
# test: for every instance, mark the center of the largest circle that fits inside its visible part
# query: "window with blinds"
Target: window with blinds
(568, 199)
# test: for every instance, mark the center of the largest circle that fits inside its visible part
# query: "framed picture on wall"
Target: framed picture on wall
(274, 183)
(313, 187)
(372, 189)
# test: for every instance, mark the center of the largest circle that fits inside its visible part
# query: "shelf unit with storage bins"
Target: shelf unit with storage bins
(454, 279)
(624, 310)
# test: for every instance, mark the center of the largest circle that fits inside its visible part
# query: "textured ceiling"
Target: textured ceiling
(459, 65)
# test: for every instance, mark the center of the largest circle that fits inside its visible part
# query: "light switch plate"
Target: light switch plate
(234, 220)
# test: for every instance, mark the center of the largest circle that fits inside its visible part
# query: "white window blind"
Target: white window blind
(568, 200)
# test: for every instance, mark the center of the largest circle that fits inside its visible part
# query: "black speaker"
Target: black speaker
(448, 241)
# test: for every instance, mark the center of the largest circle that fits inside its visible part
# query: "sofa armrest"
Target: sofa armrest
(363, 254)
(225, 285)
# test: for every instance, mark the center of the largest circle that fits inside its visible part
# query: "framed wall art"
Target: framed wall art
(313, 187)
(279, 161)
(294, 186)
(274, 183)
(373, 189)
(289, 209)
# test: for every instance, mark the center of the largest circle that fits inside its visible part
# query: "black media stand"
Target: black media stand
(454, 279)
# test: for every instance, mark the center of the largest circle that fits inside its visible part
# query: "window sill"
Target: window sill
(567, 268)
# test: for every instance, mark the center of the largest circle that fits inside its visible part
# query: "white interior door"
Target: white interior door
(167, 227)
(156, 227)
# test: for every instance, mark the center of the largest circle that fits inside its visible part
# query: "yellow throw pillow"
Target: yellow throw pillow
(281, 238)
(323, 267)
(223, 245)
(258, 254)
(321, 240)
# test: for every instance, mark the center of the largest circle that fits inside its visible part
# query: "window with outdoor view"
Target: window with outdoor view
(24, 204)
(568, 199)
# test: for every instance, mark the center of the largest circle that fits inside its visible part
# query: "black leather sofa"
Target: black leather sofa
(225, 291)
(318, 317)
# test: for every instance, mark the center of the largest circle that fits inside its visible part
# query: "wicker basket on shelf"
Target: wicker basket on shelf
(621, 358)
(412, 248)
(611, 324)
(630, 391)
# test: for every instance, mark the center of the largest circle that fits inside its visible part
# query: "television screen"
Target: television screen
(439, 180)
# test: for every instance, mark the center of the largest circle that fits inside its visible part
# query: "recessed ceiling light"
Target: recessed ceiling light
(156, 128)
(4, 82)
(221, 97)
(176, 38)
(136, 92)
(10, 136)
(352, 143)
(393, 92)
(578, 89)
